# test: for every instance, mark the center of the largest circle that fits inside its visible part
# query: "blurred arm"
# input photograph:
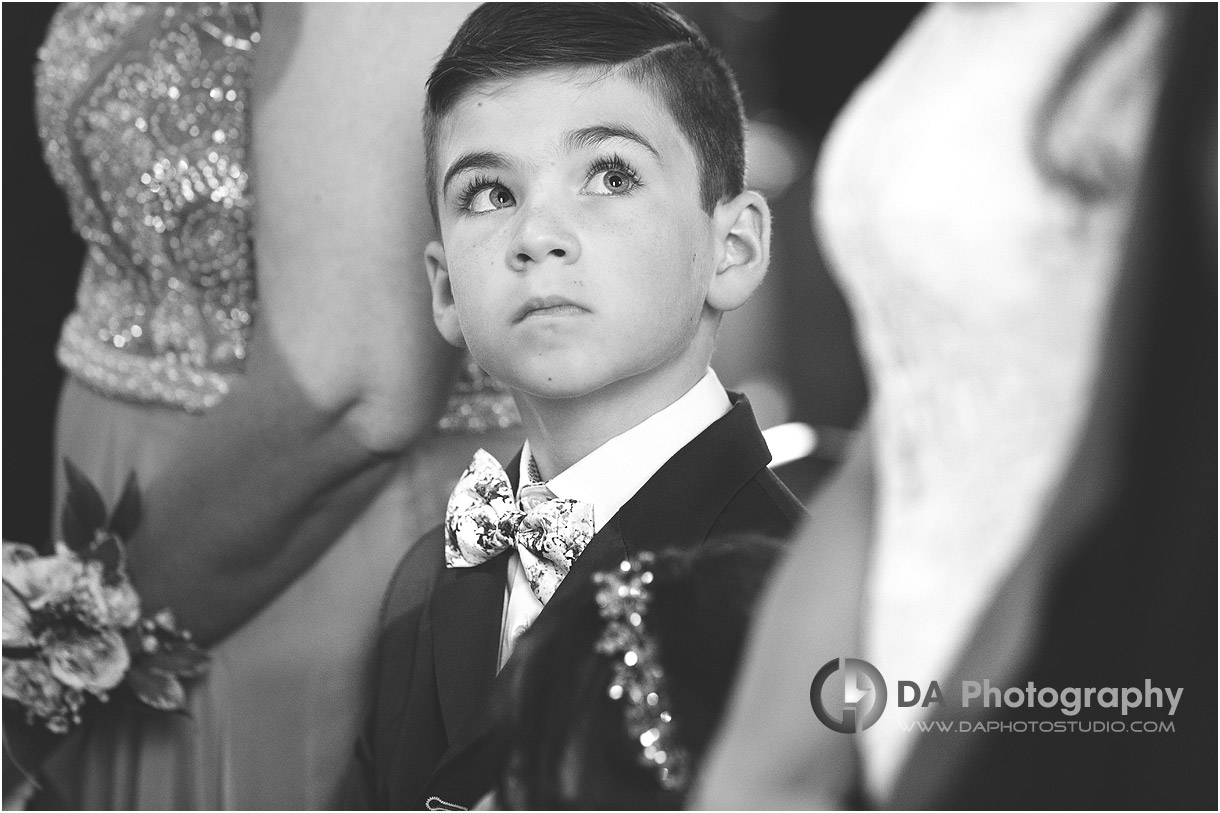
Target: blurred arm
(346, 370)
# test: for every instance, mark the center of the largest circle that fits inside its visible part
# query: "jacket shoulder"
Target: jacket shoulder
(411, 585)
(763, 505)
(372, 777)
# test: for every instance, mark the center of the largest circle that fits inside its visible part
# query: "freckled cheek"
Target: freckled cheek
(476, 266)
(475, 286)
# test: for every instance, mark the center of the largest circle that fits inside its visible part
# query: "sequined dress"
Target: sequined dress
(144, 114)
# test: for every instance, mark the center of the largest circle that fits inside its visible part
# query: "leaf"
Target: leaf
(160, 690)
(126, 515)
(183, 661)
(83, 512)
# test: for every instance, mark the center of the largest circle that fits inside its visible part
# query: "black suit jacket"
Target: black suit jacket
(427, 737)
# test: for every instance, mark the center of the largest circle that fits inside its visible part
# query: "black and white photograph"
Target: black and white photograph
(615, 406)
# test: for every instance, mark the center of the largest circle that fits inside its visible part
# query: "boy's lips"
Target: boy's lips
(548, 306)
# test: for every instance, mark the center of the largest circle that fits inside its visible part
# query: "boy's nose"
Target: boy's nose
(542, 236)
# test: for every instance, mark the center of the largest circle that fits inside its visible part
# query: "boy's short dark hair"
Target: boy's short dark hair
(656, 47)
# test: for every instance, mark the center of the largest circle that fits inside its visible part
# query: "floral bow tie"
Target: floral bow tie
(483, 520)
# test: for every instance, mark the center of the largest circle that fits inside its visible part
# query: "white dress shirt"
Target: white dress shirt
(607, 478)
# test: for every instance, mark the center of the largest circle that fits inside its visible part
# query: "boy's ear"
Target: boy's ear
(444, 311)
(743, 239)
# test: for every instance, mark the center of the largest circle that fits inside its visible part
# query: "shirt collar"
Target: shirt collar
(612, 473)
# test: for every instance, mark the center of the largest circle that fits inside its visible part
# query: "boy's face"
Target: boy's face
(574, 244)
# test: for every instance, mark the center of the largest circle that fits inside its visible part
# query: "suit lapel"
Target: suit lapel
(467, 607)
(678, 506)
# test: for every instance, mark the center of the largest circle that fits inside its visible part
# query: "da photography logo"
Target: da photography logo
(853, 705)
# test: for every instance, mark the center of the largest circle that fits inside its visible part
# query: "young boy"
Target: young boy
(586, 166)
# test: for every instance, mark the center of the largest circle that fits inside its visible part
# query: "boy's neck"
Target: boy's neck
(562, 431)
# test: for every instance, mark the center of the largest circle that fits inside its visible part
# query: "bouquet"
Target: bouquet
(74, 633)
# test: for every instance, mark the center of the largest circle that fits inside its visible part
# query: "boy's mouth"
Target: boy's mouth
(548, 306)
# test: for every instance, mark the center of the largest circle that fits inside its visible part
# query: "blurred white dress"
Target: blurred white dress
(979, 287)
(144, 113)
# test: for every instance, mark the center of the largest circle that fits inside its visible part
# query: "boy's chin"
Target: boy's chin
(556, 388)
(561, 383)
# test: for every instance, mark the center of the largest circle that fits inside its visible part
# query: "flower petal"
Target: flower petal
(18, 625)
(17, 552)
(31, 684)
(47, 580)
(91, 661)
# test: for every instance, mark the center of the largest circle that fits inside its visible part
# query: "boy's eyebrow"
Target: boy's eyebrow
(473, 160)
(600, 133)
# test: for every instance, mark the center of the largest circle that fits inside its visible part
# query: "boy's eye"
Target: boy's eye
(611, 180)
(489, 198)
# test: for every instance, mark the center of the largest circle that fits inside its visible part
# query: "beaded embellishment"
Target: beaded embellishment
(477, 403)
(639, 681)
(143, 109)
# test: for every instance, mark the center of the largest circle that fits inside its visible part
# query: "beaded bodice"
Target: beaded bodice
(143, 109)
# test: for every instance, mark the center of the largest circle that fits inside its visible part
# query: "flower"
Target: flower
(72, 620)
(104, 603)
(43, 581)
(91, 661)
